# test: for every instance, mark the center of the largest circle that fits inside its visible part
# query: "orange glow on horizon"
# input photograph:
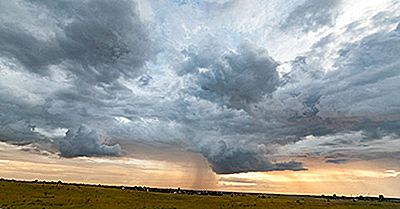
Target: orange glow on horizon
(195, 173)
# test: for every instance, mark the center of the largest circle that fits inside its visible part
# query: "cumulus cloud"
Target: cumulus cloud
(236, 77)
(87, 142)
(226, 158)
(207, 87)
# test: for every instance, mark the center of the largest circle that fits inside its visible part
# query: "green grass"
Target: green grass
(38, 195)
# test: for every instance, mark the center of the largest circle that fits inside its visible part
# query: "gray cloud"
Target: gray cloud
(359, 95)
(337, 161)
(96, 40)
(312, 15)
(235, 159)
(79, 50)
(86, 142)
(345, 147)
(237, 78)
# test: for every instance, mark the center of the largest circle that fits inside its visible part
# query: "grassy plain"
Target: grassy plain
(48, 196)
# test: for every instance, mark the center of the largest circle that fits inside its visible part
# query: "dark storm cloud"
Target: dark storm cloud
(89, 45)
(19, 44)
(234, 78)
(86, 142)
(97, 40)
(235, 159)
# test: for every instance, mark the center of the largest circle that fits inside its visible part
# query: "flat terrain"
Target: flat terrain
(40, 195)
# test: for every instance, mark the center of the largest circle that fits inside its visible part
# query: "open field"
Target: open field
(52, 195)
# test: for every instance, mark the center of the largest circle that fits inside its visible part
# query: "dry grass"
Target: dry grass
(37, 195)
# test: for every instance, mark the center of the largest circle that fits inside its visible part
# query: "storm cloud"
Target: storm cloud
(86, 142)
(71, 59)
(235, 78)
(84, 78)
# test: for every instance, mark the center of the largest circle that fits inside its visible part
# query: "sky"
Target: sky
(296, 96)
